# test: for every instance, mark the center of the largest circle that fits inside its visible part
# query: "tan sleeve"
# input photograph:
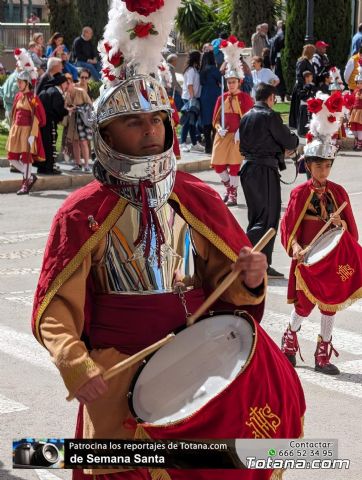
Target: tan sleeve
(62, 324)
(211, 267)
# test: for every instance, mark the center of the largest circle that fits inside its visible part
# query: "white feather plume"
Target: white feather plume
(164, 75)
(232, 52)
(335, 75)
(144, 54)
(320, 125)
(25, 62)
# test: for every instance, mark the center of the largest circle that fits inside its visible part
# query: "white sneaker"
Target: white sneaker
(184, 147)
(87, 170)
(197, 148)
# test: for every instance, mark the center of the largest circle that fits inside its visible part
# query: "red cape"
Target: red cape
(71, 238)
(298, 203)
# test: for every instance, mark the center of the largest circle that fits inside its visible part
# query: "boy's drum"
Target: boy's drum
(223, 377)
(331, 272)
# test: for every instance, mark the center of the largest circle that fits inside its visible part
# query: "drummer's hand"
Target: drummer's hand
(92, 390)
(252, 266)
(337, 221)
(296, 248)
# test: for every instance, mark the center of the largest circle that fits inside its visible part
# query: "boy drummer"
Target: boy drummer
(311, 204)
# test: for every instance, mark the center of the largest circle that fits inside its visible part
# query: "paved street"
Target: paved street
(32, 397)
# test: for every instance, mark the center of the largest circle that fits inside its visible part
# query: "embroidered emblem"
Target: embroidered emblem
(345, 272)
(93, 224)
(263, 422)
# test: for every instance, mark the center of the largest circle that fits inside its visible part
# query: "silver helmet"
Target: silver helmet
(138, 94)
(321, 148)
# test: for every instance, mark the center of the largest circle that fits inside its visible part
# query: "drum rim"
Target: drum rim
(336, 229)
(238, 313)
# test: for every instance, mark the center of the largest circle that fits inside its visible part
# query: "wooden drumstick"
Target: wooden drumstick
(322, 230)
(228, 280)
(130, 361)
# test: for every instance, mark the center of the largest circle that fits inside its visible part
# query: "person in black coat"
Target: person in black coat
(308, 91)
(277, 45)
(263, 141)
(52, 99)
(304, 64)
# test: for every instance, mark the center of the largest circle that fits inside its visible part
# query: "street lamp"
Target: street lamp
(310, 18)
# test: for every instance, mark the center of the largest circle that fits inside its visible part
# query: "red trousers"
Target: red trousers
(304, 307)
(233, 169)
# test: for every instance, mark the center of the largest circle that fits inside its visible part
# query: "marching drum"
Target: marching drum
(222, 377)
(330, 274)
(323, 246)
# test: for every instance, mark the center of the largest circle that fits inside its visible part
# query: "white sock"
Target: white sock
(234, 181)
(224, 176)
(295, 321)
(359, 135)
(18, 165)
(327, 322)
(27, 172)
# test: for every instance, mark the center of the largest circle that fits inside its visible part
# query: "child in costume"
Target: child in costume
(24, 144)
(311, 204)
(355, 119)
(230, 107)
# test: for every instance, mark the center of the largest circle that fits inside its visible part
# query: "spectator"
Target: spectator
(85, 54)
(33, 18)
(33, 51)
(262, 75)
(52, 99)
(54, 67)
(263, 140)
(38, 38)
(191, 91)
(210, 79)
(320, 61)
(176, 90)
(277, 46)
(259, 40)
(265, 55)
(56, 48)
(84, 77)
(308, 91)
(357, 40)
(351, 70)
(304, 63)
(246, 85)
(7, 92)
(219, 56)
(79, 133)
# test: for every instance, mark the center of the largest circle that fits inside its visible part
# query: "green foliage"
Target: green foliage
(247, 14)
(2, 79)
(326, 27)
(4, 127)
(294, 39)
(191, 16)
(94, 88)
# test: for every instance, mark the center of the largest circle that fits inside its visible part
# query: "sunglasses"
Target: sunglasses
(84, 78)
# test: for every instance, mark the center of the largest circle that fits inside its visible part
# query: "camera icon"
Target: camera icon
(36, 454)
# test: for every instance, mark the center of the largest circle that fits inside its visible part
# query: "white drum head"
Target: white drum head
(323, 246)
(194, 367)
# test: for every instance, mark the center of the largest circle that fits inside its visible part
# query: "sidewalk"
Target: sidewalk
(11, 182)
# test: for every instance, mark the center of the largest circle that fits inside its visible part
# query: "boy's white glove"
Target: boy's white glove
(222, 131)
(237, 136)
(31, 139)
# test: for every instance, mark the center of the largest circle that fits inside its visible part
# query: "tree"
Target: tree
(2, 10)
(63, 17)
(294, 39)
(247, 14)
(327, 27)
(95, 15)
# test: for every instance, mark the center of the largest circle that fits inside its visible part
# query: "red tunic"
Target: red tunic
(295, 225)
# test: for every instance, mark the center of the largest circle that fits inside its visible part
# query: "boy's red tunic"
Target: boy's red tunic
(297, 225)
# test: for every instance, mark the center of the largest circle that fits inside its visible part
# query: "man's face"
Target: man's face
(137, 135)
(87, 33)
(58, 67)
(321, 50)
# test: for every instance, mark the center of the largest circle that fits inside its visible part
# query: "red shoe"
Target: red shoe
(322, 356)
(23, 189)
(233, 197)
(290, 346)
(225, 198)
(32, 181)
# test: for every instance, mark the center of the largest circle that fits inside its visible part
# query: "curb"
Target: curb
(68, 180)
